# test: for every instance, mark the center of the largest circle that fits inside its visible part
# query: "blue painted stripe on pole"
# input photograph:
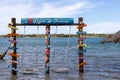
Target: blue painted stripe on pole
(82, 51)
(10, 67)
(81, 32)
(12, 48)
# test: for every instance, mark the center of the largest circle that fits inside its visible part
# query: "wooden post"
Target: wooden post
(81, 55)
(13, 31)
(47, 51)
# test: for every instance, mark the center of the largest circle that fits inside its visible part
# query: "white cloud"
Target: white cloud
(29, 8)
(104, 27)
(49, 10)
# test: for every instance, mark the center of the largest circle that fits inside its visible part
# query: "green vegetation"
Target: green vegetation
(60, 35)
(97, 35)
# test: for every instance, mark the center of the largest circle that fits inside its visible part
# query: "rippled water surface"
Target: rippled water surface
(103, 60)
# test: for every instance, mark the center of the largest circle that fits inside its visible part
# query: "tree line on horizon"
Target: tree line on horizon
(61, 35)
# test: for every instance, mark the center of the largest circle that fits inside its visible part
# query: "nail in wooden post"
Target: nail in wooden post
(13, 31)
(81, 68)
(47, 51)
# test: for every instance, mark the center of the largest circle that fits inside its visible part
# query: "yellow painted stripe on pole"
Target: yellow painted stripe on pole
(84, 45)
(12, 27)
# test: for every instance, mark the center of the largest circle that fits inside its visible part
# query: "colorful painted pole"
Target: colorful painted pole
(81, 68)
(47, 51)
(13, 31)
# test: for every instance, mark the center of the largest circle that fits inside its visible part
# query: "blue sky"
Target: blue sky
(101, 16)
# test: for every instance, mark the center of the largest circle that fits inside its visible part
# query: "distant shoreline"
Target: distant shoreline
(59, 35)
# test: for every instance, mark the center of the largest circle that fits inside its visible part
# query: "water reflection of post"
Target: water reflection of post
(81, 76)
(13, 77)
(47, 77)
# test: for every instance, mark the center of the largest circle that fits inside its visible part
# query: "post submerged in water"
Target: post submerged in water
(47, 51)
(81, 55)
(13, 31)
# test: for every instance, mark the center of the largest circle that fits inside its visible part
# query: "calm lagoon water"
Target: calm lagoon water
(103, 59)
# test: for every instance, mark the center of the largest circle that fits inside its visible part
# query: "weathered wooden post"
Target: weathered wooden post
(13, 45)
(81, 44)
(47, 51)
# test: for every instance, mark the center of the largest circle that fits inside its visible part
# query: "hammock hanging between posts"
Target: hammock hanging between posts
(29, 70)
(64, 69)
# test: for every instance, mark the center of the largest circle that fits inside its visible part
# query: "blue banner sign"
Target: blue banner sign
(47, 21)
